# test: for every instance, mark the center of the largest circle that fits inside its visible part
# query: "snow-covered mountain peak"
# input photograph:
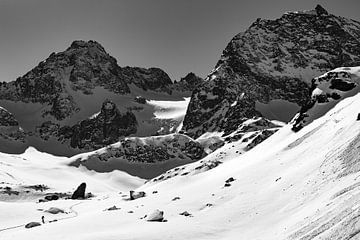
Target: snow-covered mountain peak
(273, 60)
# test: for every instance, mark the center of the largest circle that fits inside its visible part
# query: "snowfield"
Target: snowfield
(302, 185)
(170, 109)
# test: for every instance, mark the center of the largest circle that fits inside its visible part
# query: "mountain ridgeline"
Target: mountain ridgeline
(55, 103)
(271, 64)
(81, 100)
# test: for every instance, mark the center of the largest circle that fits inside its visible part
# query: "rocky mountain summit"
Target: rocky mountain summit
(271, 60)
(56, 100)
(188, 83)
(81, 67)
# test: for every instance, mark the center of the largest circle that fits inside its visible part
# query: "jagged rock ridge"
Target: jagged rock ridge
(86, 65)
(54, 100)
(188, 83)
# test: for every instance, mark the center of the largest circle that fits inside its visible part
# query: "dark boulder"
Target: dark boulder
(156, 216)
(32, 224)
(135, 195)
(79, 192)
(231, 179)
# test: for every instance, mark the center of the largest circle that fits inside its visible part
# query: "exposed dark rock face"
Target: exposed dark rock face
(147, 79)
(9, 127)
(188, 83)
(260, 138)
(61, 93)
(101, 130)
(146, 157)
(273, 59)
(153, 149)
(81, 67)
(140, 99)
(92, 66)
(7, 119)
(79, 192)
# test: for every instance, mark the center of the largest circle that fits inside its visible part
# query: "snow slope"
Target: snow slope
(33, 168)
(300, 185)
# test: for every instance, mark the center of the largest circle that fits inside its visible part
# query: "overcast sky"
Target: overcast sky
(178, 36)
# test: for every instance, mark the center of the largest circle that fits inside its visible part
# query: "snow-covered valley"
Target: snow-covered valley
(300, 185)
(266, 147)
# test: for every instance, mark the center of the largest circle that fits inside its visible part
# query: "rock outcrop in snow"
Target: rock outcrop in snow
(144, 157)
(328, 90)
(79, 193)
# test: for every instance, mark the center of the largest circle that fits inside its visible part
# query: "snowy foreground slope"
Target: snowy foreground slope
(302, 185)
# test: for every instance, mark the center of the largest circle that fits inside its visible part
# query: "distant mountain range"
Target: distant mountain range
(80, 100)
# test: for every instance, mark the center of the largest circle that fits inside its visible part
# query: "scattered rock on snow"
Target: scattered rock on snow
(32, 224)
(175, 198)
(156, 216)
(112, 208)
(186, 214)
(135, 195)
(55, 210)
